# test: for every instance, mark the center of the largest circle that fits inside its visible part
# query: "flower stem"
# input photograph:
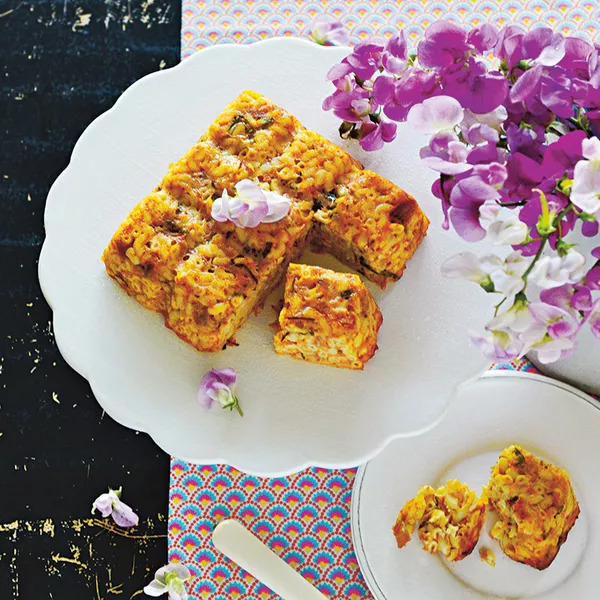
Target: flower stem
(535, 259)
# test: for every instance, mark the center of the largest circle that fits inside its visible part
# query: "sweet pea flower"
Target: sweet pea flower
(466, 199)
(554, 271)
(395, 55)
(327, 30)
(398, 96)
(251, 206)
(365, 58)
(480, 128)
(507, 230)
(509, 48)
(490, 272)
(516, 319)
(483, 37)
(110, 504)
(435, 115)
(446, 154)
(594, 322)
(497, 345)
(467, 266)
(544, 47)
(169, 579)
(475, 87)
(552, 336)
(585, 191)
(217, 387)
(373, 135)
(443, 44)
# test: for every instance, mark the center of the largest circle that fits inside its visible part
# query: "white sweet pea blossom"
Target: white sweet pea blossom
(554, 271)
(169, 579)
(497, 345)
(490, 271)
(250, 206)
(552, 333)
(516, 319)
(493, 119)
(507, 230)
(434, 115)
(467, 266)
(585, 192)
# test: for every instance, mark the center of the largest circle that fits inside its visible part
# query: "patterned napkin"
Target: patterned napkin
(305, 518)
(208, 23)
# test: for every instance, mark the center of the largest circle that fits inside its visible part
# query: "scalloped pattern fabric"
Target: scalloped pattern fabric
(208, 23)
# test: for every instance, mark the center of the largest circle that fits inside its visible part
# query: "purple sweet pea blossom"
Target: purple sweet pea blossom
(594, 322)
(366, 58)
(509, 47)
(251, 206)
(110, 504)
(327, 30)
(373, 135)
(483, 37)
(398, 96)
(543, 46)
(444, 43)
(446, 154)
(476, 88)
(217, 387)
(466, 198)
(395, 55)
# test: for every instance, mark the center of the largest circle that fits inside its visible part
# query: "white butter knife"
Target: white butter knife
(245, 549)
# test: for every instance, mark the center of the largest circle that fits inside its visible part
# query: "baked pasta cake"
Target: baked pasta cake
(327, 317)
(206, 277)
(370, 224)
(536, 507)
(449, 520)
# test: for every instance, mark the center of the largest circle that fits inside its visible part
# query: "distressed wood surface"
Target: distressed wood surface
(64, 63)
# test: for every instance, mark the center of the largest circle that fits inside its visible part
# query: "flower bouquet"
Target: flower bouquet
(512, 118)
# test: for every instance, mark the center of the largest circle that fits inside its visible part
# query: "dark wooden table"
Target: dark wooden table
(64, 63)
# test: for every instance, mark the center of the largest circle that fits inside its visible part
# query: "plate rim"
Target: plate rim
(357, 541)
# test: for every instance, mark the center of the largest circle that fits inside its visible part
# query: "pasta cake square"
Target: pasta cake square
(328, 318)
(216, 289)
(146, 249)
(536, 506)
(369, 224)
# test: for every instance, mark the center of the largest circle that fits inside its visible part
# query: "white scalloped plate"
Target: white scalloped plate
(297, 413)
(551, 419)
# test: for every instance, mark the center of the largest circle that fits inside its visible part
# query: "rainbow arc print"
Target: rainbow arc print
(208, 23)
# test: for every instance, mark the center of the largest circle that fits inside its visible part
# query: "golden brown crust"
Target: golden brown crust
(449, 520)
(146, 249)
(536, 506)
(253, 129)
(328, 318)
(370, 224)
(161, 254)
